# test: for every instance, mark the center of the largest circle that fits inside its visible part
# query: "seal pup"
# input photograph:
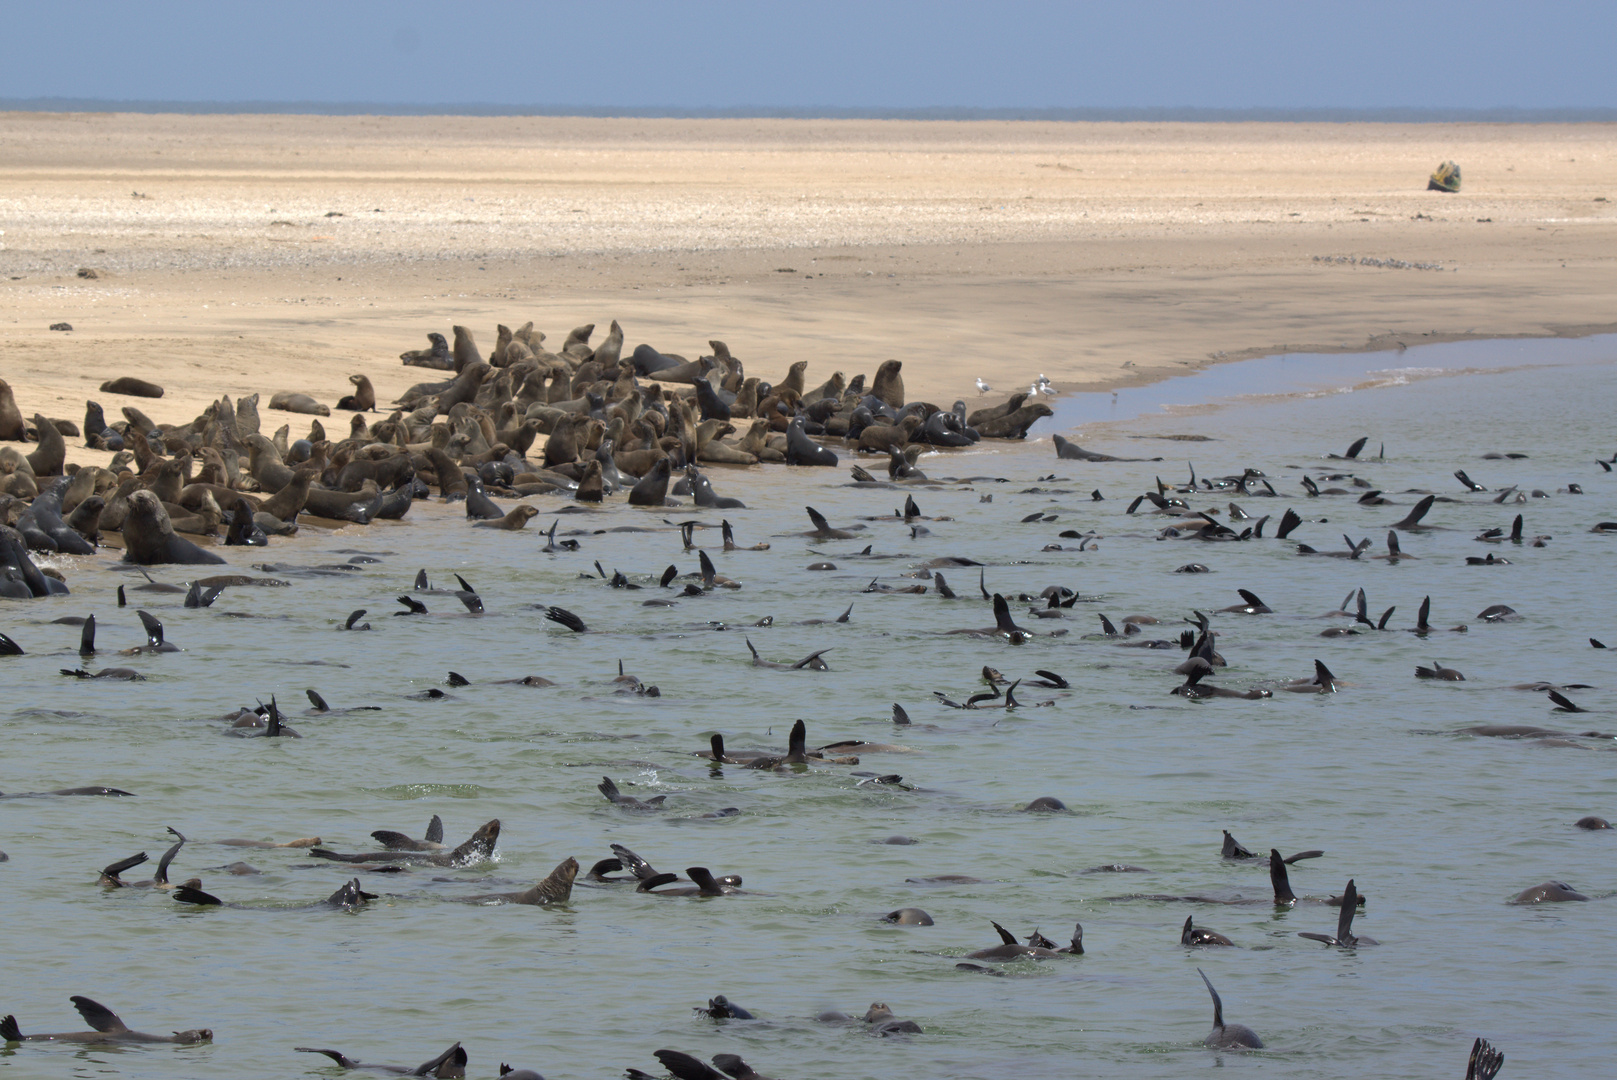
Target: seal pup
(1192, 934)
(1344, 923)
(556, 888)
(108, 1028)
(1551, 892)
(1227, 1036)
(449, 1064)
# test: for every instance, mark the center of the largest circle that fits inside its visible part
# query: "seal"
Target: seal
(397, 841)
(802, 450)
(1551, 892)
(518, 516)
(1009, 949)
(108, 1028)
(450, 1063)
(363, 399)
(908, 916)
(348, 898)
(293, 402)
(480, 846)
(628, 802)
(132, 387)
(1195, 935)
(149, 535)
(1344, 923)
(1227, 1036)
(436, 356)
(11, 425)
(652, 488)
(557, 888)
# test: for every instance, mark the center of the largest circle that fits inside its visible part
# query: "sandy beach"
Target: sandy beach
(235, 254)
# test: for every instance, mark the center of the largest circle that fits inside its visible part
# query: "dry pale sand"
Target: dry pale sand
(260, 253)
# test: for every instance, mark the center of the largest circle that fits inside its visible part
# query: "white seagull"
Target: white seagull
(982, 387)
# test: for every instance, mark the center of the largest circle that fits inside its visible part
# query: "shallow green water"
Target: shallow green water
(1438, 830)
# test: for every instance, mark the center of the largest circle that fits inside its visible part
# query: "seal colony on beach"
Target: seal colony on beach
(473, 468)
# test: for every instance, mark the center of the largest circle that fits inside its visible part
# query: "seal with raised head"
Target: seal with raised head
(149, 535)
(556, 888)
(363, 399)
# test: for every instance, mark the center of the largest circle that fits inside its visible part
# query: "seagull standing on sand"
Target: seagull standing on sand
(982, 387)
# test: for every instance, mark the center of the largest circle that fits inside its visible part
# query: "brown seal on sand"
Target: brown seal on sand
(291, 401)
(363, 399)
(11, 427)
(132, 386)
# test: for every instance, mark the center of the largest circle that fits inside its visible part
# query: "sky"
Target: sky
(827, 54)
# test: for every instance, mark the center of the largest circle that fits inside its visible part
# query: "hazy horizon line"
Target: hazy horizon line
(1160, 114)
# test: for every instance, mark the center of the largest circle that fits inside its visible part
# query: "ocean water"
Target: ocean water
(1438, 829)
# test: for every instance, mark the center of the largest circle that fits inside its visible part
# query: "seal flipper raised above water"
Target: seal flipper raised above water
(1344, 923)
(1227, 1036)
(397, 841)
(108, 1028)
(479, 846)
(449, 1064)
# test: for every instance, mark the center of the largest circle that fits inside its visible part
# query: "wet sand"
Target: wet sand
(262, 253)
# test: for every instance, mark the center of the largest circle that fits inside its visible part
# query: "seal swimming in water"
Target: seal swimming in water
(556, 888)
(1344, 923)
(628, 802)
(1192, 934)
(1227, 1036)
(108, 1028)
(908, 916)
(1551, 892)
(449, 1065)
(480, 846)
(397, 841)
(350, 897)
